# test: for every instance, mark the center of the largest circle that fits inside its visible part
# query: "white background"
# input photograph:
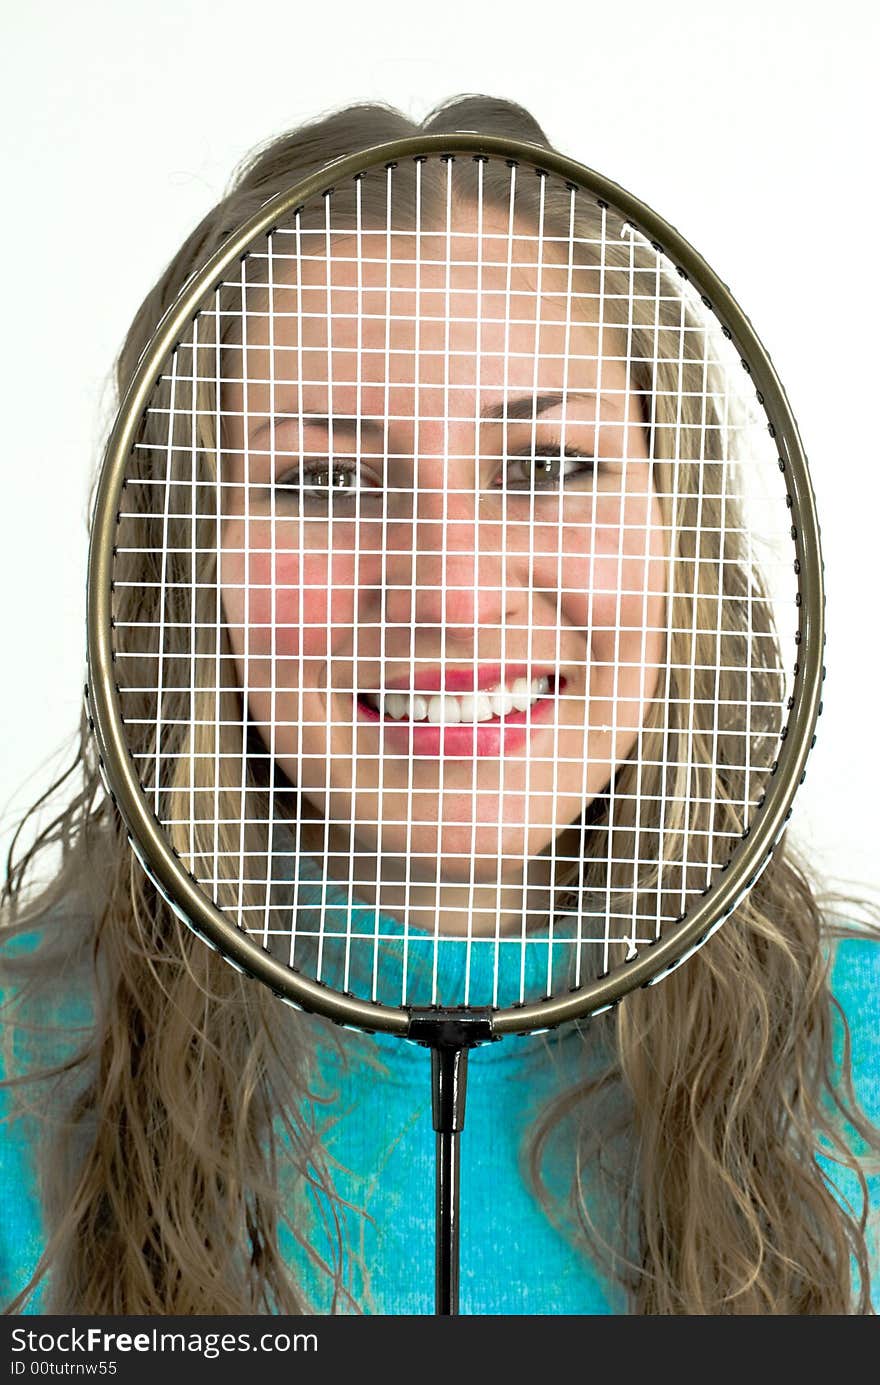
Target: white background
(751, 126)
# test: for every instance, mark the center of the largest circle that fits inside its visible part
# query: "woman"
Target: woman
(447, 684)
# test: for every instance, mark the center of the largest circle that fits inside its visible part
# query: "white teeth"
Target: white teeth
(500, 702)
(395, 705)
(476, 707)
(521, 692)
(418, 708)
(445, 709)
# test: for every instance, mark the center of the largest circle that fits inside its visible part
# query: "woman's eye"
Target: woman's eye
(322, 484)
(545, 471)
(319, 483)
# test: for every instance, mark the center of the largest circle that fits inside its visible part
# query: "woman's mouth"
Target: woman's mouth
(462, 709)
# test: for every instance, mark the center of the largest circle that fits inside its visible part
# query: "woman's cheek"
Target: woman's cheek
(596, 582)
(301, 608)
(610, 612)
(295, 606)
(617, 598)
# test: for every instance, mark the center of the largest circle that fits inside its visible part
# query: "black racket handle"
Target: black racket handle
(449, 1082)
(450, 1035)
(447, 1257)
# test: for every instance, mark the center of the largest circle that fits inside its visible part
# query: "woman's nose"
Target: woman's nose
(448, 570)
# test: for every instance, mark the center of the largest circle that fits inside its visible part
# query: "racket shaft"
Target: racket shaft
(446, 1284)
(449, 1084)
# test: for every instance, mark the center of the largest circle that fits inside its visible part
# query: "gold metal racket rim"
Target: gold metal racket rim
(750, 856)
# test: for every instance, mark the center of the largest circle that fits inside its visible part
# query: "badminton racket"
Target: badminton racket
(481, 650)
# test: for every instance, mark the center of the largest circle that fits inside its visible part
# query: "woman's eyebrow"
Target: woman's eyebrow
(529, 406)
(353, 424)
(525, 408)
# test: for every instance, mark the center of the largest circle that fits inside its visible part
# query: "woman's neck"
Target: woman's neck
(519, 900)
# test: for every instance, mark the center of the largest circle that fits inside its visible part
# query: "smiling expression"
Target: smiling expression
(444, 581)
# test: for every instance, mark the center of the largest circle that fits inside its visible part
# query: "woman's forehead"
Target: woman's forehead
(471, 309)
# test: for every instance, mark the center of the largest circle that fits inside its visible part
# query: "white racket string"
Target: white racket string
(454, 602)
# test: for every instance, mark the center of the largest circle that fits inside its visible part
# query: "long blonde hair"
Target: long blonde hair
(184, 1104)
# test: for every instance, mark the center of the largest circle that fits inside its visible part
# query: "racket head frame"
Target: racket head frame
(750, 856)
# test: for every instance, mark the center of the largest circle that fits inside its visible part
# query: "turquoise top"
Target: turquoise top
(382, 1146)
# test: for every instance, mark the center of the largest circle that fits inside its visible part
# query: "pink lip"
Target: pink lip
(499, 736)
(463, 680)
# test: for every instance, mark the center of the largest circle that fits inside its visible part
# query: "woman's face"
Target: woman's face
(443, 561)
